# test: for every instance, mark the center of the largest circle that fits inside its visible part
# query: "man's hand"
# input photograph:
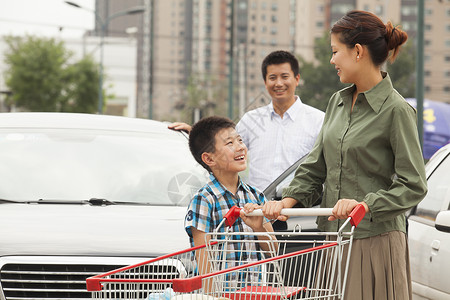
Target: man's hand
(180, 126)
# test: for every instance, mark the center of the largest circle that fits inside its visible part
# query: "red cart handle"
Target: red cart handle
(231, 216)
(357, 214)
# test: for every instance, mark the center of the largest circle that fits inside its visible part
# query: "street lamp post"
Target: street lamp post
(103, 26)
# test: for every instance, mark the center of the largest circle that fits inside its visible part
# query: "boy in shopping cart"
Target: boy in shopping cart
(216, 146)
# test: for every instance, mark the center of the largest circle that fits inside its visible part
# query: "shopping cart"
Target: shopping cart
(315, 269)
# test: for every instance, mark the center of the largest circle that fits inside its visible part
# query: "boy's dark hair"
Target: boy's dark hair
(277, 58)
(202, 137)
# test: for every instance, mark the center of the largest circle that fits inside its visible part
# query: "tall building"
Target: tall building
(192, 46)
(437, 50)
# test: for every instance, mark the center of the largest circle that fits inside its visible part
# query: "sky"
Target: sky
(49, 18)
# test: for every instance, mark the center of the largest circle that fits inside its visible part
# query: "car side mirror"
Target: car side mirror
(443, 221)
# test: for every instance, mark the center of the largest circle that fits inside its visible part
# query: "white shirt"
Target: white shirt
(275, 143)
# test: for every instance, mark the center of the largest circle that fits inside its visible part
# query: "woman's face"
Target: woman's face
(343, 59)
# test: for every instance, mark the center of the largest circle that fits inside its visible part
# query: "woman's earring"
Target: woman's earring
(357, 56)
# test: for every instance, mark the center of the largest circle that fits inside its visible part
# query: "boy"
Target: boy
(216, 146)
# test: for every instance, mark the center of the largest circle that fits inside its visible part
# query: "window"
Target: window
(341, 8)
(447, 58)
(447, 74)
(409, 10)
(428, 27)
(447, 88)
(319, 24)
(427, 73)
(379, 10)
(406, 26)
(273, 30)
(274, 19)
(438, 189)
(274, 6)
(320, 9)
(447, 43)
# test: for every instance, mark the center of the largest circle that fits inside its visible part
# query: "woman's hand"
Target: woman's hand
(255, 222)
(344, 207)
(272, 209)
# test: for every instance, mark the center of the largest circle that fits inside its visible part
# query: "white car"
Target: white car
(429, 233)
(83, 194)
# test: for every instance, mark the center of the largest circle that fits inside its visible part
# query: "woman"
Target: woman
(367, 152)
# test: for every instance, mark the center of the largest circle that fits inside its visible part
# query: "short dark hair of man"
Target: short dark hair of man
(277, 58)
(202, 137)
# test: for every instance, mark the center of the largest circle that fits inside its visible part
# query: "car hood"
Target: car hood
(115, 230)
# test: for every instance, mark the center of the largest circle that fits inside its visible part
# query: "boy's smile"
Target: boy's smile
(230, 153)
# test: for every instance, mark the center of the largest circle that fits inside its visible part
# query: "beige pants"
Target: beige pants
(379, 268)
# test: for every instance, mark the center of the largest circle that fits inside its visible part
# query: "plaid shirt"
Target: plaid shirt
(208, 207)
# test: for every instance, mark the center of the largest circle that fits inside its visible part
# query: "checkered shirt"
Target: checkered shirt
(210, 204)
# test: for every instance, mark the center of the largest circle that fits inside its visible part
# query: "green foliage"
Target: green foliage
(402, 71)
(81, 93)
(204, 92)
(41, 78)
(319, 79)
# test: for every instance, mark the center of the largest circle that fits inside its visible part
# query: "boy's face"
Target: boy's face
(281, 83)
(230, 153)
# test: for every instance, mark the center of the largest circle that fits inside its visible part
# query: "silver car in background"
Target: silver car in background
(83, 194)
(429, 233)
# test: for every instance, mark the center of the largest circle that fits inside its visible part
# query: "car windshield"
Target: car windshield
(145, 168)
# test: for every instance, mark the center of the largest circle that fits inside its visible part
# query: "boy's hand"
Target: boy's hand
(256, 223)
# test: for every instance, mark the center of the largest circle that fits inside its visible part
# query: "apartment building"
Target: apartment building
(198, 43)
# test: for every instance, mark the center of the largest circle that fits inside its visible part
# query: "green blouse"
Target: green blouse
(370, 154)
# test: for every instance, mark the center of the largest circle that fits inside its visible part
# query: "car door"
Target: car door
(429, 247)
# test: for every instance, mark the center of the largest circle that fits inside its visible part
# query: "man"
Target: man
(282, 132)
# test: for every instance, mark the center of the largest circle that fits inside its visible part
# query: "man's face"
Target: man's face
(281, 83)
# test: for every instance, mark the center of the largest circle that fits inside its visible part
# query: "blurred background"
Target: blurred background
(182, 60)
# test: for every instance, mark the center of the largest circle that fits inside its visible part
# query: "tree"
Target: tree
(41, 78)
(204, 94)
(82, 88)
(402, 71)
(318, 79)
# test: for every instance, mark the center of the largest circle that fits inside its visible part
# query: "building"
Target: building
(192, 46)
